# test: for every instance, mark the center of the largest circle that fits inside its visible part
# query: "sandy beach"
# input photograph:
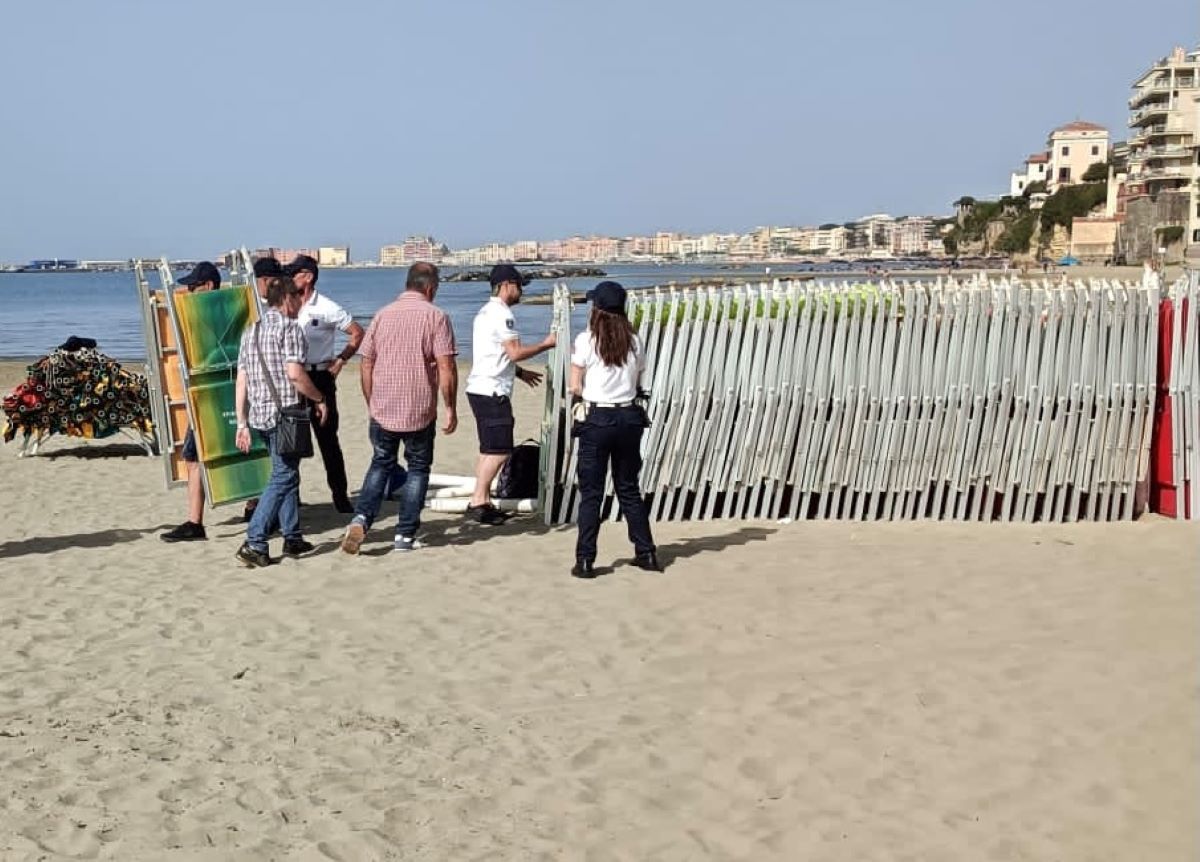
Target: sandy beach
(810, 691)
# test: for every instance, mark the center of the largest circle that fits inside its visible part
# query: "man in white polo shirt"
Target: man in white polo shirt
(496, 349)
(321, 318)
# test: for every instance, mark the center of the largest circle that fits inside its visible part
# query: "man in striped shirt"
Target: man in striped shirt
(407, 359)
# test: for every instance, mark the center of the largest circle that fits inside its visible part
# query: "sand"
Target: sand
(808, 691)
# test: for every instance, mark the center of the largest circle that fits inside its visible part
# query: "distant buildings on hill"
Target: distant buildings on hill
(879, 235)
(1152, 206)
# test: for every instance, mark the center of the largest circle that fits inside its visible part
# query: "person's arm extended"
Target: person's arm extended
(518, 353)
(576, 384)
(448, 385)
(366, 377)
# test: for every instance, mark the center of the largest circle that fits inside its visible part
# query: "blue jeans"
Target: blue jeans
(280, 502)
(418, 455)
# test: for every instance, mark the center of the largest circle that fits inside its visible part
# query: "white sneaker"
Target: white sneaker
(407, 543)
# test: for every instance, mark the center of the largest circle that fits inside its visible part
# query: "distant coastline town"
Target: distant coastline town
(1082, 199)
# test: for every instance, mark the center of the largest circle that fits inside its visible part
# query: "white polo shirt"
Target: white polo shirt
(492, 372)
(606, 384)
(320, 318)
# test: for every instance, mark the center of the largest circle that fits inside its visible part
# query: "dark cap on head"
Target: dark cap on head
(202, 272)
(503, 272)
(608, 296)
(302, 263)
(267, 267)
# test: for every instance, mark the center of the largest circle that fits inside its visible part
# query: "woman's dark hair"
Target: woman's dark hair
(613, 334)
(279, 289)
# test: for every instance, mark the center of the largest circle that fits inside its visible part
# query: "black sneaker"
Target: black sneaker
(648, 562)
(248, 511)
(188, 531)
(486, 514)
(583, 569)
(251, 558)
(297, 547)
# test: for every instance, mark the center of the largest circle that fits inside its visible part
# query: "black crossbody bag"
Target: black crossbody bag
(293, 433)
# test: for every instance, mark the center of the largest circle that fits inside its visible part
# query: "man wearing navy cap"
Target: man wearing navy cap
(495, 351)
(320, 318)
(204, 276)
(265, 269)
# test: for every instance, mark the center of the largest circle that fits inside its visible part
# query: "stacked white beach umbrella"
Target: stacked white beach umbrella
(956, 400)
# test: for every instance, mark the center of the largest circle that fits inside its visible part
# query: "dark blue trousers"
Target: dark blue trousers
(611, 437)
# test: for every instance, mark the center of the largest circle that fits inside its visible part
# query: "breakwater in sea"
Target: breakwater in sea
(40, 311)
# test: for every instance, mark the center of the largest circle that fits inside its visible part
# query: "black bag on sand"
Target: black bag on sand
(518, 479)
(293, 433)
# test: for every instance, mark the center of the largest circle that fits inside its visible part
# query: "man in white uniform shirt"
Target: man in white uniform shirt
(496, 349)
(320, 318)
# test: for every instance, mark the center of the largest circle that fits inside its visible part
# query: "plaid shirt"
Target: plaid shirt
(281, 341)
(404, 340)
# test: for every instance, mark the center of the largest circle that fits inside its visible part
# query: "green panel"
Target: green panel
(211, 325)
(241, 478)
(214, 413)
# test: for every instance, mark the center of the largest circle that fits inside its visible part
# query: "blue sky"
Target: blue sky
(183, 128)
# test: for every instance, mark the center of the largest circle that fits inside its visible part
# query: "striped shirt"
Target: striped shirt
(281, 341)
(405, 340)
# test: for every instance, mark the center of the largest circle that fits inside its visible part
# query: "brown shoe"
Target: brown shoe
(353, 539)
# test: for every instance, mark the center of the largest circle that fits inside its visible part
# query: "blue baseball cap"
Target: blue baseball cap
(202, 272)
(608, 296)
(503, 272)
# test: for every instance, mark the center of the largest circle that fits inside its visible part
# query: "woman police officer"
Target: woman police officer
(607, 363)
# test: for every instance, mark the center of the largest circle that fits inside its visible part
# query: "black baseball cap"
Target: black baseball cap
(302, 263)
(202, 272)
(267, 267)
(608, 296)
(503, 272)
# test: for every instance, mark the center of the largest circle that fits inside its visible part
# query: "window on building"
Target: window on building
(1196, 235)
(1041, 169)
(1064, 175)
(1066, 151)
(1095, 150)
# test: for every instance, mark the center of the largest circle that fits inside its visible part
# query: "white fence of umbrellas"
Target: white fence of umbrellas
(955, 400)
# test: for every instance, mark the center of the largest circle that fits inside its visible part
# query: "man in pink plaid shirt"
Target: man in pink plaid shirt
(407, 358)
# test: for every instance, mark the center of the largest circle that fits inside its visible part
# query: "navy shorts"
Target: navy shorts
(494, 423)
(189, 452)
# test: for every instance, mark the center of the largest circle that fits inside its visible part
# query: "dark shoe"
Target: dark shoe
(584, 569)
(297, 547)
(188, 531)
(343, 505)
(649, 562)
(486, 514)
(248, 511)
(251, 558)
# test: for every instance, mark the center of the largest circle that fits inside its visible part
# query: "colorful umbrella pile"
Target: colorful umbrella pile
(80, 392)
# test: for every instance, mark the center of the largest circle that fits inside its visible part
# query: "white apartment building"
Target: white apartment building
(1164, 143)
(1034, 171)
(1073, 149)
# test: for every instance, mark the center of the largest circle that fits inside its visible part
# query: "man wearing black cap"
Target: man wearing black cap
(265, 269)
(321, 318)
(204, 276)
(495, 351)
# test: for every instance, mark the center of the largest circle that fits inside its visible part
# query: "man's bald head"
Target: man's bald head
(423, 278)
